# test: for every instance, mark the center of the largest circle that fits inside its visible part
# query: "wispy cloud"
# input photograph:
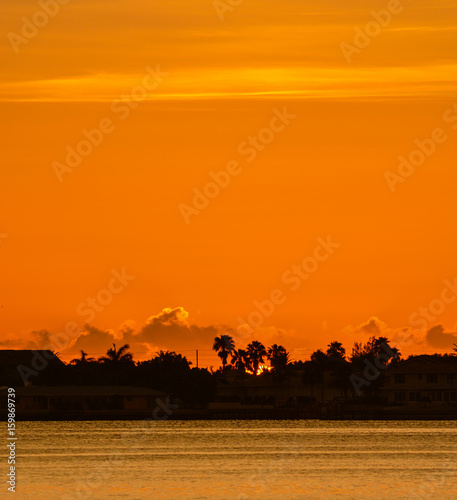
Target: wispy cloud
(292, 82)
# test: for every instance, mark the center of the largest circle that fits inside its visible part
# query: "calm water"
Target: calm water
(236, 460)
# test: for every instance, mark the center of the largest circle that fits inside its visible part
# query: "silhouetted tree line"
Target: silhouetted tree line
(172, 373)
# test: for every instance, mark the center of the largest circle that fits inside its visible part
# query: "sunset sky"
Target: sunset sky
(179, 92)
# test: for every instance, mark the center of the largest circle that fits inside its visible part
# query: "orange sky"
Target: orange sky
(65, 229)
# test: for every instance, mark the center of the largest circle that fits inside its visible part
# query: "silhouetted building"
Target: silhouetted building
(422, 381)
(239, 389)
(36, 401)
(23, 367)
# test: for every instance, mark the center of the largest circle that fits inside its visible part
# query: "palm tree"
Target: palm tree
(256, 352)
(278, 356)
(336, 350)
(224, 345)
(373, 349)
(115, 356)
(82, 360)
(240, 360)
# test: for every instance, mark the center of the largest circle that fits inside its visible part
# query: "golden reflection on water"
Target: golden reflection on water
(237, 460)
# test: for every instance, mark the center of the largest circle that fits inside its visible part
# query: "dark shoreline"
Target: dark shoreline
(386, 414)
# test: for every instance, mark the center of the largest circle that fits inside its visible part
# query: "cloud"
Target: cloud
(404, 337)
(92, 340)
(10, 343)
(169, 316)
(374, 326)
(438, 338)
(172, 328)
(41, 339)
(408, 337)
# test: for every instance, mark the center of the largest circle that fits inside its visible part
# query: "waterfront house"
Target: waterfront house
(427, 381)
(88, 400)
